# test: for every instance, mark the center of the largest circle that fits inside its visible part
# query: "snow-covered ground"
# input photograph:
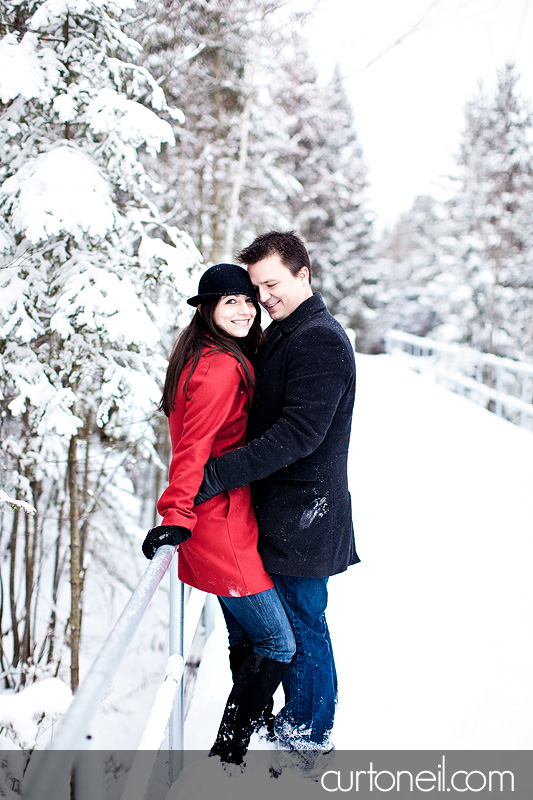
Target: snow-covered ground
(431, 630)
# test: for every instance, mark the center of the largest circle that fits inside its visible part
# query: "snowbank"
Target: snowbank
(23, 713)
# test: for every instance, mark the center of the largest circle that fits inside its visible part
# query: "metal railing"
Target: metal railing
(74, 734)
(500, 384)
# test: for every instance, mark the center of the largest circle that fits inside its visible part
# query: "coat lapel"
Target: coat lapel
(274, 335)
(276, 330)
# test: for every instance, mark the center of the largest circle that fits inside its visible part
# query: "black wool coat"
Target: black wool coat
(299, 431)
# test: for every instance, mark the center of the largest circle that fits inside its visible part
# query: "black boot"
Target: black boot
(268, 720)
(256, 682)
(238, 653)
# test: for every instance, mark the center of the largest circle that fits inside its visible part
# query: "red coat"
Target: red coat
(221, 556)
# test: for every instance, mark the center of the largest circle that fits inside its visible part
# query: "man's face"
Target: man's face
(278, 290)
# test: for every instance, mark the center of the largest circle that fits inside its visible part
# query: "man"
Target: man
(296, 461)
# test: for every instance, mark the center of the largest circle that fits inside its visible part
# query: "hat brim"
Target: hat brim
(197, 299)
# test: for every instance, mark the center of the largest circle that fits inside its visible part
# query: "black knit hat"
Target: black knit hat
(223, 279)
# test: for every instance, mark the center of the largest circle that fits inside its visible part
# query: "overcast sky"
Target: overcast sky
(409, 68)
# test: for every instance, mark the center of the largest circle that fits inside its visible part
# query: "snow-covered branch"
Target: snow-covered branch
(16, 504)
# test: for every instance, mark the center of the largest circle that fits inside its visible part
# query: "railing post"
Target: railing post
(176, 645)
(524, 398)
(209, 615)
(498, 404)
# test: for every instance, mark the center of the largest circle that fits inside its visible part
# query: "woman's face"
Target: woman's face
(235, 314)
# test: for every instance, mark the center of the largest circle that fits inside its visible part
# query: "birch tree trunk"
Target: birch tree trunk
(75, 565)
(217, 188)
(12, 590)
(243, 146)
(28, 575)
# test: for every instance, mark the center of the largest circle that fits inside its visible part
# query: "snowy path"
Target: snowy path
(432, 631)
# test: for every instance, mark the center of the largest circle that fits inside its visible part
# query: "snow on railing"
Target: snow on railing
(500, 384)
(74, 733)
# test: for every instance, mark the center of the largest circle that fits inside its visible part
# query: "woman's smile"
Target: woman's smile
(235, 314)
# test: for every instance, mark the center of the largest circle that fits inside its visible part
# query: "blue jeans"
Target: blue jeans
(261, 619)
(310, 683)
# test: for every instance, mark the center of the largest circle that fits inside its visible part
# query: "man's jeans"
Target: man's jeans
(310, 683)
(261, 619)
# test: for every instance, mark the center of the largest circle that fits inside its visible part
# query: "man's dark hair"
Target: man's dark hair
(287, 245)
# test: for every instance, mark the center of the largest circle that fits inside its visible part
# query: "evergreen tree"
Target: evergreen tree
(216, 61)
(85, 258)
(345, 250)
(491, 213)
(327, 204)
(199, 50)
(462, 270)
(418, 290)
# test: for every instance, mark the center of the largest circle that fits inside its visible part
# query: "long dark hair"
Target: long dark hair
(201, 332)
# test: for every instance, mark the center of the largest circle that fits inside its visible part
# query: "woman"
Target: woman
(207, 395)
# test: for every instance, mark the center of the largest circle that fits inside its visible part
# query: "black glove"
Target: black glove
(164, 534)
(211, 484)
